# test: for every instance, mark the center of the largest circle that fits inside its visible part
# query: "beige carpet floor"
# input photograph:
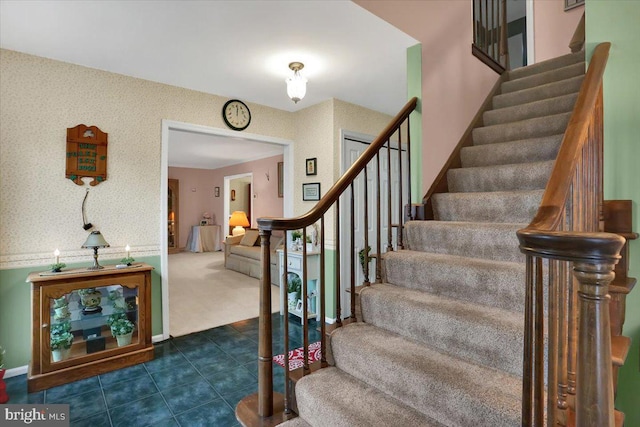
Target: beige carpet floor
(203, 294)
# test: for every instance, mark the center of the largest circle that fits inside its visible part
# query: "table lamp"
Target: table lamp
(95, 241)
(238, 220)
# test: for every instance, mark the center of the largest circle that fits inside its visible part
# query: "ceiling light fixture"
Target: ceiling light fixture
(296, 85)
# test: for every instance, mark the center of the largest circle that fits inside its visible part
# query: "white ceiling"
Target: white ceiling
(236, 49)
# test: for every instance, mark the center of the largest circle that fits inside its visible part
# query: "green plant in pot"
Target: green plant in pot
(60, 328)
(61, 345)
(294, 287)
(364, 257)
(122, 330)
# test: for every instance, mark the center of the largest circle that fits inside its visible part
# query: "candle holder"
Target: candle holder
(128, 260)
(57, 267)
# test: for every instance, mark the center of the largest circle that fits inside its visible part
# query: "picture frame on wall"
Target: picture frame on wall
(312, 166)
(311, 191)
(280, 179)
(570, 4)
(216, 191)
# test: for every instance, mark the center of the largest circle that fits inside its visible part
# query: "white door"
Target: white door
(353, 145)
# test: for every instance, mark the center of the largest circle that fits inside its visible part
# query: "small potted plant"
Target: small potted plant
(296, 237)
(60, 328)
(310, 245)
(61, 308)
(294, 288)
(364, 257)
(4, 397)
(122, 330)
(61, 345)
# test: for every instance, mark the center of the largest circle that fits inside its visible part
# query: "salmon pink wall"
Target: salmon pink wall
(553, 28)
(454, 82)
(194, 203)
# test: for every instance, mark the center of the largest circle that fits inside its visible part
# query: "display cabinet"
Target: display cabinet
(294, 266)
(88, 322)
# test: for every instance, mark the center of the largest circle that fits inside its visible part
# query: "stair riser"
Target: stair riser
(557, 105)
(551, 90)
(513, 152)
(496, 242)
(489, 283)
(543, 78)
(483, 338)
(524, 176)
(429, 382)
(547, 65)
(486, 207)
(526, 129)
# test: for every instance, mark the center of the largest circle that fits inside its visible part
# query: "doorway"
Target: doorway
(238, 196)
(170, 125)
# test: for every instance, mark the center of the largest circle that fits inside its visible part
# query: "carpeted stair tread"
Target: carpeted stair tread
(295, 422)
(549, 64)
(544, 77)
(512, 152)
(524, 129)
(493, 241)
(452, 391)
(481, 281)
(484, 335)
(349, 402)
(544, 107)
(549, 90)
(502, 206)
(519, 176)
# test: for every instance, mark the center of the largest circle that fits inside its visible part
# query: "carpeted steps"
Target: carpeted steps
(442, 340)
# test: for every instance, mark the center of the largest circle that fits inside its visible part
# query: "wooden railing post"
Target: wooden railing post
(265, 356)
(594, 382)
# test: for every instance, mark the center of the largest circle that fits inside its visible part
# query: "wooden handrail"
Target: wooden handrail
(344, 182)
(555, 194)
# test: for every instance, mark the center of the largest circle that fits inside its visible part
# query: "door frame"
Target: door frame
(167, 125)
(227, 197)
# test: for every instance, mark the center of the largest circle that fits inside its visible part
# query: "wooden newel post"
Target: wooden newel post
(594, 382)
(265, 356)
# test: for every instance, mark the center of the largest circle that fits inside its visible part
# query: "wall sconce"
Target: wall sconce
(238, 220)
(95, 241)
(296, 85)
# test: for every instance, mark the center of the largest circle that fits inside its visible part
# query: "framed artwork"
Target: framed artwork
(570, 4)
(312, 166)
(216, 191)
(311, 191)
(299, 305)
(233, 195)
(280, 179)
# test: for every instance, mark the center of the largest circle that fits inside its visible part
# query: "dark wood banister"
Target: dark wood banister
(344, 182)
(553, 200)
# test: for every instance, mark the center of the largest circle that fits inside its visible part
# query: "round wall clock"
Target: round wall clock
(236, 114)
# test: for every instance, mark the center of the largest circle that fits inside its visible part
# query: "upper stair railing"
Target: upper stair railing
(581, 259)
(490, 33)
(388, 210)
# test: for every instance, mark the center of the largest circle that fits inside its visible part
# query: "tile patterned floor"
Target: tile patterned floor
(194, 380)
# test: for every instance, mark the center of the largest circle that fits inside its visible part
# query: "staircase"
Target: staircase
(441, 337)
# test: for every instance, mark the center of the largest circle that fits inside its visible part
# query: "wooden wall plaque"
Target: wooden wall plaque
(86, 154)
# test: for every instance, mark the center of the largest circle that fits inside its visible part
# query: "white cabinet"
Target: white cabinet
(295, 265)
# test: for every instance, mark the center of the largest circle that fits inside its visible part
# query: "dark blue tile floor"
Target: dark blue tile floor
(194, 380)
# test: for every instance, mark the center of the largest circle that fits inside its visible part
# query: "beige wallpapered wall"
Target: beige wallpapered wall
(40, 210)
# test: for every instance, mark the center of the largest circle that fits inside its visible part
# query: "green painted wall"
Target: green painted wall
(414, 88)
(617, 22)
(15, 309)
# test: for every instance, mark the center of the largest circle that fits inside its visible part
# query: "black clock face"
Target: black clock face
(236, 114)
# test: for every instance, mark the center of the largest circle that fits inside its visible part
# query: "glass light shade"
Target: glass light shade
(296, 87)
(95, 240)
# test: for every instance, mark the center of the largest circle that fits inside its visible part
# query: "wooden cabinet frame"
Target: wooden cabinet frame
(43, 372)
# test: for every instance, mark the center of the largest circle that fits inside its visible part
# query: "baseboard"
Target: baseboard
(158, 338)
(330, 320)
(14, 372)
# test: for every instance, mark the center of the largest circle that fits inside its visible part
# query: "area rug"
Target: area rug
(296, 357)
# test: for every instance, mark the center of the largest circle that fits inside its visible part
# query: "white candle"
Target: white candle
(128, 249)
(56, 253)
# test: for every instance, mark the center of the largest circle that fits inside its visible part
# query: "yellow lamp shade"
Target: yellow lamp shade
(238, 220)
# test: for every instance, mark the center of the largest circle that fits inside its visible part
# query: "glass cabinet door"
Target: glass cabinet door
(92, 320)
(172, 220)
